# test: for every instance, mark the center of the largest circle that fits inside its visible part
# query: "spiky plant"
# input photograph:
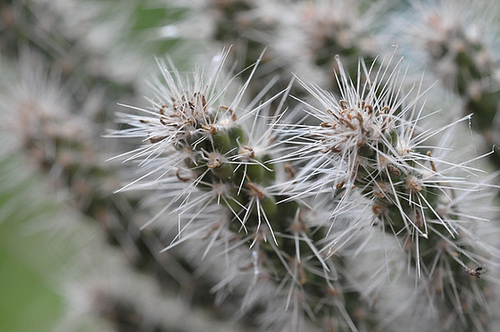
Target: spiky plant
(369, 146)
(245, 184)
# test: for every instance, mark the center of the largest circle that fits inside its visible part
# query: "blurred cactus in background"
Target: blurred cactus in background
(249, 165)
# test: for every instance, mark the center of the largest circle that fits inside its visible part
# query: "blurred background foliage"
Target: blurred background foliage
(32, 255)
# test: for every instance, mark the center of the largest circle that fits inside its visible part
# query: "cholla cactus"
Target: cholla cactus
(286, 197)
(214, 159)
(369, 142)
(226, 173)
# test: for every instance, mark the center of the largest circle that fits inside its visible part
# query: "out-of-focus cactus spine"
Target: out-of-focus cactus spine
(463, 57)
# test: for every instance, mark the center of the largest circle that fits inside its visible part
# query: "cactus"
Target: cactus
(306, 177)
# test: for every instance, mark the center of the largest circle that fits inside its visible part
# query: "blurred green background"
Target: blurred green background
(30, 260)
